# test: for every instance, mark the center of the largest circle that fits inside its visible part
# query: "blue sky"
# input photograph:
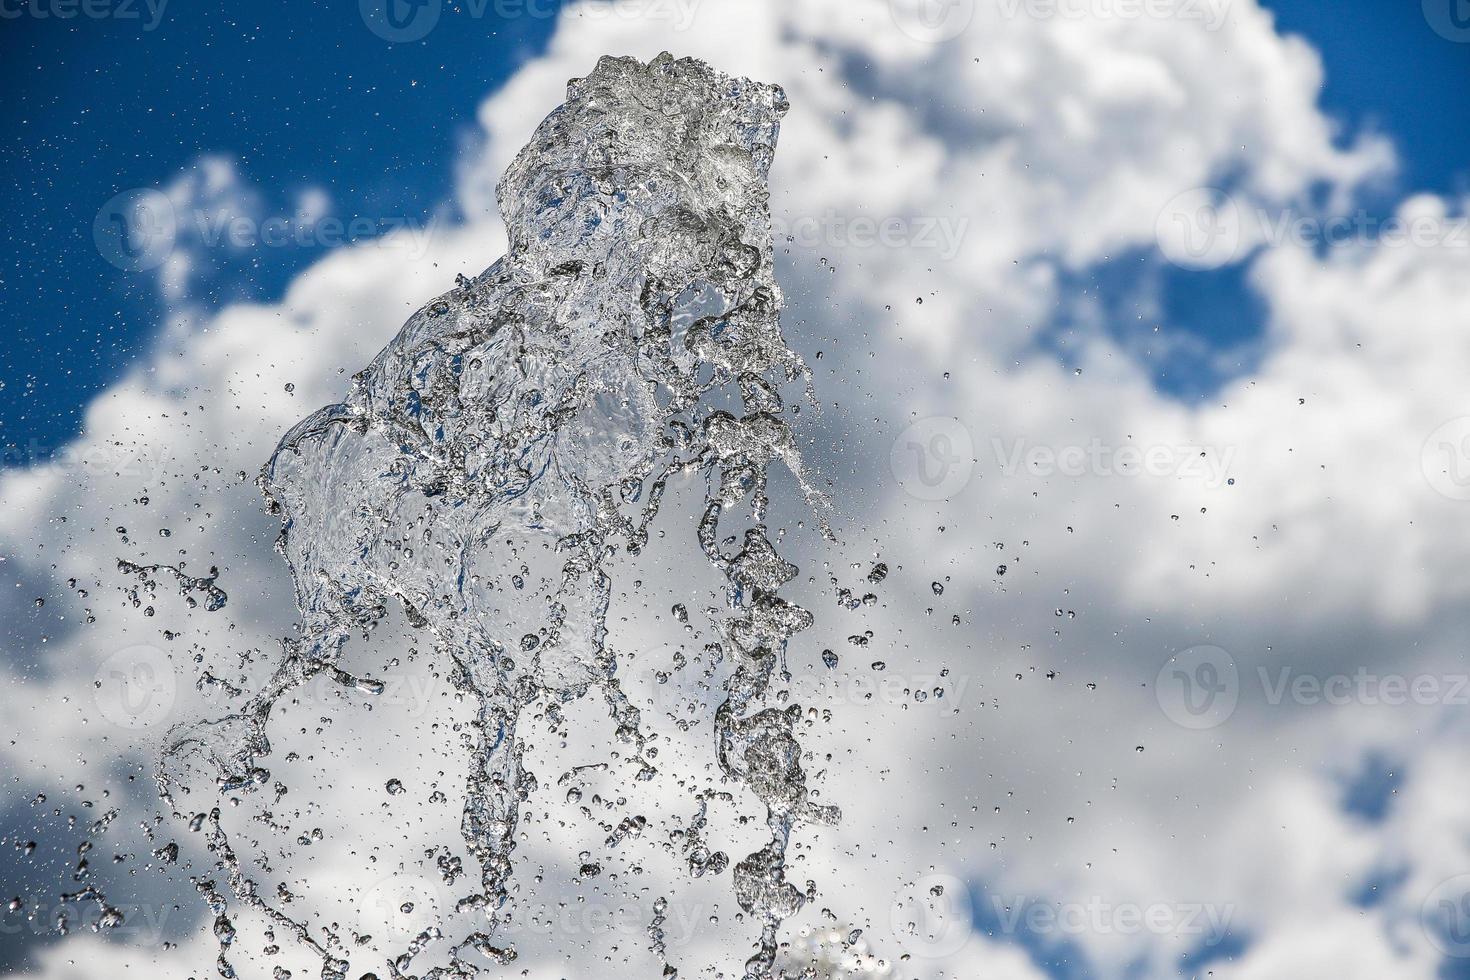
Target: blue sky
(304, 94)
(299, 94)
(1388, 72)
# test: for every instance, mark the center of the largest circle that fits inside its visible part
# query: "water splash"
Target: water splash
(520, 428)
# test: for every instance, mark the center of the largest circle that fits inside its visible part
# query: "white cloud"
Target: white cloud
(1059, 141)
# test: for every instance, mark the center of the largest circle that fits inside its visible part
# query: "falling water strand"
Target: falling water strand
(483, 467)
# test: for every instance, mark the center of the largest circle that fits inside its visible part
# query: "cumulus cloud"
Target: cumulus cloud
(1301, 519)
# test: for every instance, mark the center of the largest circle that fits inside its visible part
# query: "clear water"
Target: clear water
(488, 468)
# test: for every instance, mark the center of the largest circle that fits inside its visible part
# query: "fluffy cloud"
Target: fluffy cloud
(1033, 148)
